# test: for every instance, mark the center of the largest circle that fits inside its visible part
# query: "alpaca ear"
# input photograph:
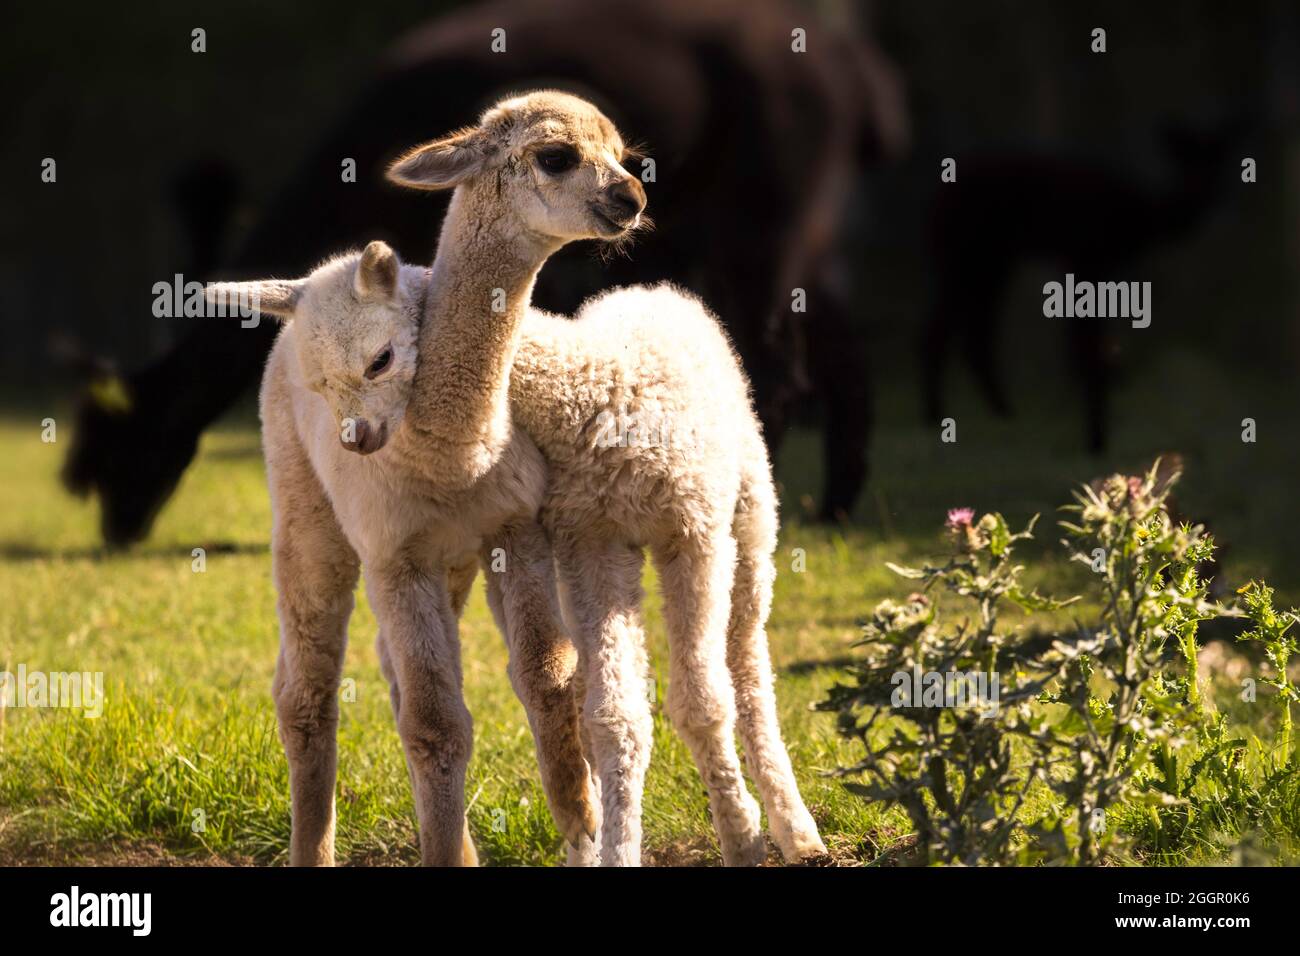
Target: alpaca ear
(376, 276)
(267, 296)
(443, 163)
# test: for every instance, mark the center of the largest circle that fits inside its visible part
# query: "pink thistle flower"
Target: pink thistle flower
(960, 518)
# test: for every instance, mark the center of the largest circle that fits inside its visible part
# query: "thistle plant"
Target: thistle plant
(950, 756)
(1088, 726)
(1272, 630)
(1150, 593)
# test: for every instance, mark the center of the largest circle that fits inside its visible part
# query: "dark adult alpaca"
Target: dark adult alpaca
(1088, 219)
(755, 146)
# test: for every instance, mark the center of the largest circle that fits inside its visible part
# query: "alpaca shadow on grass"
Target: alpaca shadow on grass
(812, 665)
(251, 451)
(16, 551)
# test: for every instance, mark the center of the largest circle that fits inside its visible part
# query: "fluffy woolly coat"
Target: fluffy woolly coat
(643, 414)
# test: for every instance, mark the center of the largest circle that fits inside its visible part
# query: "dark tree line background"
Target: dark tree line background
(116, 96)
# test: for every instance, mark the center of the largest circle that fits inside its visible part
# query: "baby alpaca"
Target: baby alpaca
(698, 494)
(351, 484)
(408, 466)
(643, 414)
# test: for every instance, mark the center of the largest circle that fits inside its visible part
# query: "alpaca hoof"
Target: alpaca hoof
(585, 852)
(804, 848)
(800, 842)
(621, 854)
(750, 850)
(579, 824)
(813, 856)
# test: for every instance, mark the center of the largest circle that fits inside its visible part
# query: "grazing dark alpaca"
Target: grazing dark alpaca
(755, 147)
(1090, 220)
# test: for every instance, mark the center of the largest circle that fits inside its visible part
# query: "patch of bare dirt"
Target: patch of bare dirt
(109, 854)
(18, 849)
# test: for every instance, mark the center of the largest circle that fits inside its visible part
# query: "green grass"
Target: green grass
(187, 660)
(188, 731)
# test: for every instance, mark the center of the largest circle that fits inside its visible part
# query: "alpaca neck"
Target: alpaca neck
(479, 291)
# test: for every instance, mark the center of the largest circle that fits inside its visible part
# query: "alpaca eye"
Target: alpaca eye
(557, 159)
(380, 363)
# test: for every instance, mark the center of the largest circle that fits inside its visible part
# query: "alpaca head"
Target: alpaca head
(354, 322)
(549, 164)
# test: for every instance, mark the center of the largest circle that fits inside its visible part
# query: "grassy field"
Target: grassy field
(185, 763)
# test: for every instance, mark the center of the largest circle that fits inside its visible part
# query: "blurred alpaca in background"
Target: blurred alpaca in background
(755, 149)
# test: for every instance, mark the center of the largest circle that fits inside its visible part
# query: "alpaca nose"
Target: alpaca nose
(364, 439)
(627, 198)
(354, 438)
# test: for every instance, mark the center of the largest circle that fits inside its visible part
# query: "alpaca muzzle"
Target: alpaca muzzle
(363, 438)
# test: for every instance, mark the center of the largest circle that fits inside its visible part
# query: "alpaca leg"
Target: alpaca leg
(390, 674)
(395, 697)
(981, 294)
(980, 352)
(315, 574)
(521, 592)
(696, 578)
(423, 651)
(843, 383)
(579, 685)
(586, 853)
(460, 580)
(1091, 366)
(754, 527)
(601, 587)
(394, 691)
(932, 353)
